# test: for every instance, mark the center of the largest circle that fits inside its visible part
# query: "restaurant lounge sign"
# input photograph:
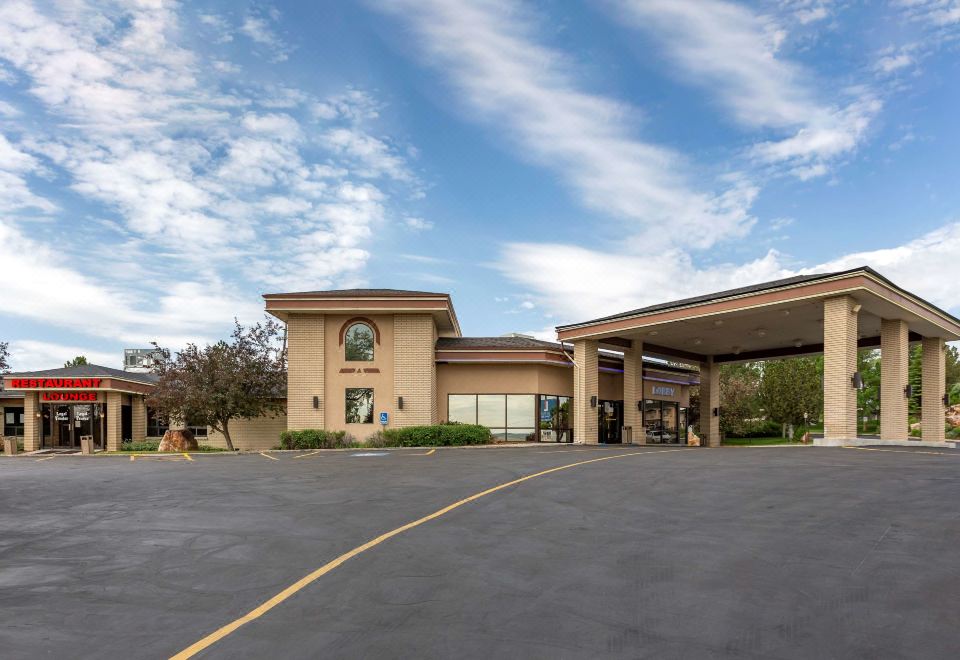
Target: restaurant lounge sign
(49, 384)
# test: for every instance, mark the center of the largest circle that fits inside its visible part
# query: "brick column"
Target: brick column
(709, 401)
(633, 391)
(585, 386)
(32, 424)
(414, 370)
(305, 371)
(839, 365)
(933, 386)
(114, 421)
(138, 416)
(894, 364)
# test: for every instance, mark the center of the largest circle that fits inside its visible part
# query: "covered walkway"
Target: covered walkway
(833, 314)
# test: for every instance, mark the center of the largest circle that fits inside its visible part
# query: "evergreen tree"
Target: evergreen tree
(915, 378)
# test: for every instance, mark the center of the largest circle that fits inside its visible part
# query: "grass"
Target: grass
(740, 442)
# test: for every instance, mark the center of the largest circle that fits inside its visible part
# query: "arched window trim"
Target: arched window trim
(365, 321)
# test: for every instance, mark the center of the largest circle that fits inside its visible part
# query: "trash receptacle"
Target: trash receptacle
(626, 436)
(86, 444)
(10, 445)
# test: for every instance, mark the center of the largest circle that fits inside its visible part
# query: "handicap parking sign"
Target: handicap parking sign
(384, 418)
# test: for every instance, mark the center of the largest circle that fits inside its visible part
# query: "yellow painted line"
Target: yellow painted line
(270, 457)
(46, 458)
(901, 451)
(187, 456)
(307, 580)
(427, 454)
(313, 453)
(133, 457)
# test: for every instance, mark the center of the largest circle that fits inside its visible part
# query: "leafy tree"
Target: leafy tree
(915, 378)
(791, 391)
(955, 394)
(4, 357)
(739, 389)
(953, 366)
(868, 399)
(76, 362)
(242, 378)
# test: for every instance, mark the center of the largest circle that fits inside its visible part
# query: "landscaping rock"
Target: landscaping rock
(178, 440)
(953, 415)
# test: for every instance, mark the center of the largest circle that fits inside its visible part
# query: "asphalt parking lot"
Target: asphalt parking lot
(790, 552)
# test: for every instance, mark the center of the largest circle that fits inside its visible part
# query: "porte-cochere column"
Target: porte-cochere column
(585, 391)
(840, 321)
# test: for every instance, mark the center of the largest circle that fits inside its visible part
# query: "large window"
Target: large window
(555, 419)
(660, 421)
(359, 405)
(13, 422)
(157, 425)
(358, 343)
(510, 417)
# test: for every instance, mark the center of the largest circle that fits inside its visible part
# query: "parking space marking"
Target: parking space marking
(905, 450)
(309, 579)
(313, 453)
(46, 458)
(427, 453)
(272, 458)
(187, 456)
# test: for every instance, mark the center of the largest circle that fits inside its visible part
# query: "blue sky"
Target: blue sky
(163, 164)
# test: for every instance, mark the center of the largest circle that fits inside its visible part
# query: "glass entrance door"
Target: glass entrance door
(610, 421)
(62, 426)
(661, 420)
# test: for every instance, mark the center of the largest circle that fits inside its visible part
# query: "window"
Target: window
(359, 405)
(358, 343)
(510, 417)
(13, 422)
(554, 417)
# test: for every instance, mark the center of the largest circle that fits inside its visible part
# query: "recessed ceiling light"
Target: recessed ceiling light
(786, 312)
(718, 322)
(736, 350)
(652, 333)
(761, 332)
(798, 343)
(697, 341)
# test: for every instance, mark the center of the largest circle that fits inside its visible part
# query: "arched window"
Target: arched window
(358, 343)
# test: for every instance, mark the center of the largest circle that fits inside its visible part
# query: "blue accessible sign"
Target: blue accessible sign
(384, 418)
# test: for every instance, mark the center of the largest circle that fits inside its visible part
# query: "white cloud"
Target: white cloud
(417, 224)
(936, 12)
(734, 53)
(926, 266)
(527, 92)
(188, 171)
(31, 355)
(259, 29)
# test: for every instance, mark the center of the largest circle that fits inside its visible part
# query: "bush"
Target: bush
(437, 435)
(147, 445)
(954, 433)
(759, 429)
(315, 439)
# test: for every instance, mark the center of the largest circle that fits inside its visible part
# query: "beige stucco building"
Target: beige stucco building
(365, 359)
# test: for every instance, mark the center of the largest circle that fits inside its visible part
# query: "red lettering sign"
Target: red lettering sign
(68, 396)
(53, 383)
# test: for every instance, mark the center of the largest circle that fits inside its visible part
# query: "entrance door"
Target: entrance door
(610, 422)
(661, 421)
(62, 427)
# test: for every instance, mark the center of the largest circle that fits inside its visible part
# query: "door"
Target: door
(610, 422)
(63, 427)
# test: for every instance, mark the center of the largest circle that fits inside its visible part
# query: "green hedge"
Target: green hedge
(438, 435)
(315, 439)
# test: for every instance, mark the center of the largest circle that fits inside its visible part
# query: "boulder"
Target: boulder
(953, 415)
(178, 440)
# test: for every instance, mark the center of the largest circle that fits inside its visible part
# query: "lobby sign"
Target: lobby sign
(663, 390)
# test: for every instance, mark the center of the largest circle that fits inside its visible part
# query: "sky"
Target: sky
(164, 164)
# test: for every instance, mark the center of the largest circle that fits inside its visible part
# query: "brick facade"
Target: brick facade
(633, 392)
(839, 365)
(114, 421)
(709, 401)
(894, 364)
(32, 424)
(415, 369)
(305, 373)
(138, 417)
(585, 388)
(933, 387)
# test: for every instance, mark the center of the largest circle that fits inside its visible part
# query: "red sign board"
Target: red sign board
(53, 383)
(68, 396)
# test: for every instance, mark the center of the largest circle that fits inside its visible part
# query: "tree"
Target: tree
(915, 378)
(4, 357)
(76, 362)
(868, 398)
(212, 386)
(791, 391)
(739, 389)
(953, 366)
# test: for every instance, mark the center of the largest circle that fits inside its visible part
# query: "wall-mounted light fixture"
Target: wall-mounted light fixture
(856, 380)
(593, 402)
(908, 391)
(716, 412)
(399, 403)
(316, 402)
(640, 406)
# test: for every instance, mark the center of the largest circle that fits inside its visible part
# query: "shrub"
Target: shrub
(315, 439)
(147, 445)
(208, 448)
(437, 435)
(954, 433)
(759, 429)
